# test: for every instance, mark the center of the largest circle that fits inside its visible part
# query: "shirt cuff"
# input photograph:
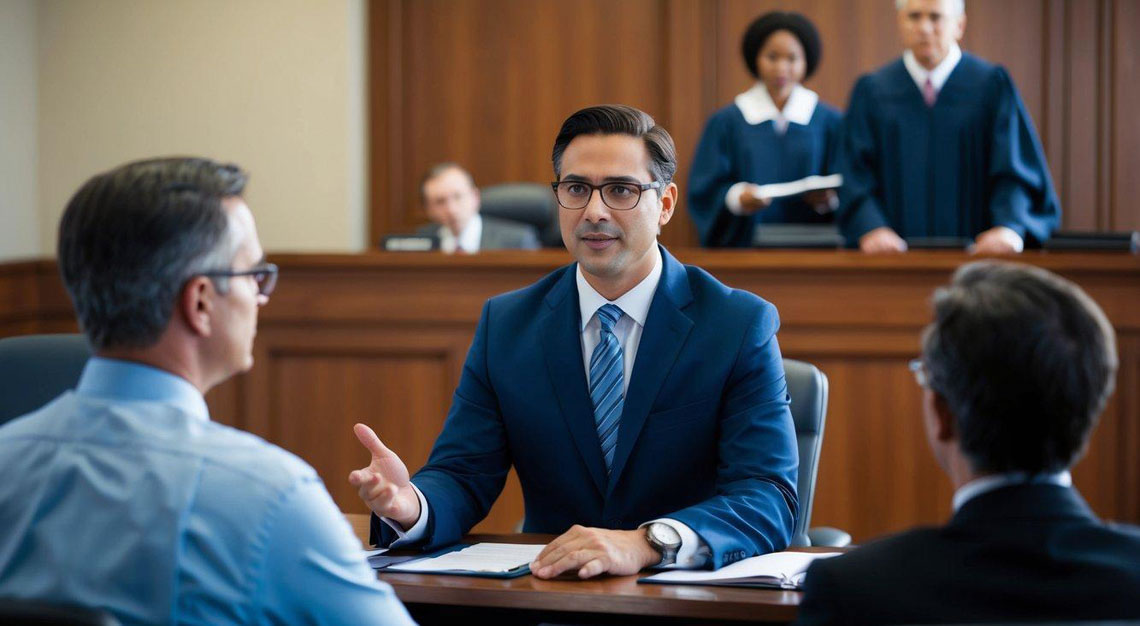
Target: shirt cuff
(1011, 237)
(693, 553)
(417, 531)
(732, 198)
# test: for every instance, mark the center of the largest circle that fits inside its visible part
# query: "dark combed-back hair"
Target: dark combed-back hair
(1025, 361)
(130, 238)
(618, 119)
(762, 28)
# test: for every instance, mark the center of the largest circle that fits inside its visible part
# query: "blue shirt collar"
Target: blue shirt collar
(126, 380)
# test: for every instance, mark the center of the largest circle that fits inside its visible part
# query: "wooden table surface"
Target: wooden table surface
(609, 595)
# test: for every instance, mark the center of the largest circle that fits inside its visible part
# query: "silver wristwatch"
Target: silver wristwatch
(664, 539)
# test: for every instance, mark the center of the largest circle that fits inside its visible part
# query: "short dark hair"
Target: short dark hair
(438, 170)
(764, 26)
(618, 119)
(130, 238)
(1025, 361)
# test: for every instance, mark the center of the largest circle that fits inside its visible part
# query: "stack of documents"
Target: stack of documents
(481, 559)
(779, 570)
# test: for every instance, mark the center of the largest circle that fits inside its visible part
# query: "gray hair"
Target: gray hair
(130, 238)
(958, 7)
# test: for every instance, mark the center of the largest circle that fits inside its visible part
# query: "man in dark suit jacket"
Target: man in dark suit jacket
(451, 200)
(642, 402)
(1016, 368)
(939, 144)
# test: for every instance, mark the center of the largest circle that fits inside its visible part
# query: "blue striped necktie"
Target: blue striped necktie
(607, 371)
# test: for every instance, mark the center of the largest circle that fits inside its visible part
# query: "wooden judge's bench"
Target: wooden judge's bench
(380, 338)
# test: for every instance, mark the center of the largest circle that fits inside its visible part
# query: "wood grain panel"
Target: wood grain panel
(1124, 211)
(873, 478)
(487, 83)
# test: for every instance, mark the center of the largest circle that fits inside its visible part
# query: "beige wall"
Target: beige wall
(19, 223)
(275, 86)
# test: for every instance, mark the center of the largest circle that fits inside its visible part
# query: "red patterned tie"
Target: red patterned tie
(928, 93)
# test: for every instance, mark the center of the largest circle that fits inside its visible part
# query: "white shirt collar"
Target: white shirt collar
(977, 487)
(634, 303)
(468, 240)
(757, 106)
(939, 74)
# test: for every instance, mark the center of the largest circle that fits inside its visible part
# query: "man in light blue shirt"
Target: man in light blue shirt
(123, 494)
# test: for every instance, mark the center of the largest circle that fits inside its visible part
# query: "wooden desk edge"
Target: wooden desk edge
(620, 595)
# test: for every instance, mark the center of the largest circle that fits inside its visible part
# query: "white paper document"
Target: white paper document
(796, 187)
(784, 570)
(481, 557)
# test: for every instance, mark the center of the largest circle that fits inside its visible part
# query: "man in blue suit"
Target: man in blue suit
(642, 402)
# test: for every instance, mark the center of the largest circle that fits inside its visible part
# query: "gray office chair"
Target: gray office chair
(529, 203)
(807, 388)
(34, 369)
(42, 613)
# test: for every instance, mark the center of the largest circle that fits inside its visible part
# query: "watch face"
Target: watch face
(665, 535)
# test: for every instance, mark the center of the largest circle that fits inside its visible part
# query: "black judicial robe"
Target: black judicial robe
(731, 150)
(971, 162)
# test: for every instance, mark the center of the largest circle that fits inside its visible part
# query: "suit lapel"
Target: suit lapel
(562, 347)
(666, 328)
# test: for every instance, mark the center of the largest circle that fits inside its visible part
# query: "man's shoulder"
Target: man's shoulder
(260, 463)
(165, 434)
(882, 77)
(710, 293)
(977, 65)
(975, 73)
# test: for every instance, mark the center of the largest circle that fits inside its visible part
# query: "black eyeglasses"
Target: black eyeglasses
(264, 275)
(576, 194)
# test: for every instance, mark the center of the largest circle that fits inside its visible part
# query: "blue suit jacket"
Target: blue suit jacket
(706, 437)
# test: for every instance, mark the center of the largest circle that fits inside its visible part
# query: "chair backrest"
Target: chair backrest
(43, 613)
(34, 369)
(807, 387)
(529, 203)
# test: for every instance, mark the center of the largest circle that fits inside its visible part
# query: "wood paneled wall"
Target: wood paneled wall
(381, 339)
(487, 83)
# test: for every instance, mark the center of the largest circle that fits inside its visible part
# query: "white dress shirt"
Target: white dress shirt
(977, 487)
(468, 240)
(938, 77)
(635, 308)
(757, 107)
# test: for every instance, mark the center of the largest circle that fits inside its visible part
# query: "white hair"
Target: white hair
(958, 7)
